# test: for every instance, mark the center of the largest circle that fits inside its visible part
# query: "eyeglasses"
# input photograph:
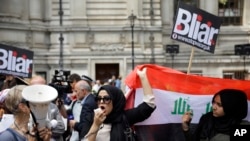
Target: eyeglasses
(105, 99)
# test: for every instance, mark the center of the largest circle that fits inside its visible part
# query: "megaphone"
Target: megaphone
(39, 97)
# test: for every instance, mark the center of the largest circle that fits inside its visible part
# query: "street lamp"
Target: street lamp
(132, 18)
(60, 13)
(172, 50)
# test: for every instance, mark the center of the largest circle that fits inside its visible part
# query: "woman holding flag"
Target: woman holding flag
(110, 118)
(229, 108)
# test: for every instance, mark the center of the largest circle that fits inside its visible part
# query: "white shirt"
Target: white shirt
(6, 122)
(103, 133)
(76, 110)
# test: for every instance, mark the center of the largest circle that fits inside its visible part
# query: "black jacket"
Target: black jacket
(86, 116)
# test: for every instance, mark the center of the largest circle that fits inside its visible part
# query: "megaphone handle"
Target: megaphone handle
(35, 122)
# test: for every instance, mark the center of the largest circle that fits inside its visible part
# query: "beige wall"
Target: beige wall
(100, 33)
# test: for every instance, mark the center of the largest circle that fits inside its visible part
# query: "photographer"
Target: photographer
(61, 84)
(74, 108)
(73, 79)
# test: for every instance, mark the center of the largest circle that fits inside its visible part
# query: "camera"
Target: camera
(60, 83)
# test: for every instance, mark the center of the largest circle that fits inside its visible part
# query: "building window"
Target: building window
(194, 72)
(231, 11)
(194, 3)
(240, 75)
(188, 2)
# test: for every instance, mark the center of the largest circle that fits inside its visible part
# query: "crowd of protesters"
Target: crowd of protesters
(94, 111)
(70, 112)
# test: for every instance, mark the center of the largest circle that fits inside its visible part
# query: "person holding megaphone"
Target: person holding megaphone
(52, 118)
(20, 130)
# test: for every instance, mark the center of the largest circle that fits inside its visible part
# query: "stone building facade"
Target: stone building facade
(97, 36)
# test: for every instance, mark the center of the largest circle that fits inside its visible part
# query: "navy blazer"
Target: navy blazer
(86, 116)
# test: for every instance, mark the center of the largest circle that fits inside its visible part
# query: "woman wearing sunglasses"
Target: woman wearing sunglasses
(19, 130)
(109, 118)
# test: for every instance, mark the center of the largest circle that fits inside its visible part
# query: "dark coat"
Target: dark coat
(116, 117)
(211, 128)
(86, 116)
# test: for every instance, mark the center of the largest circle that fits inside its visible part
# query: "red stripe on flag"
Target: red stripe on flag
(130, 97)
(172, 80)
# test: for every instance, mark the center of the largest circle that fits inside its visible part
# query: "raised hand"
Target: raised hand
(186, 119)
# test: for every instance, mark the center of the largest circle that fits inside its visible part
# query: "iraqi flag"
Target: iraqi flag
(175, 93)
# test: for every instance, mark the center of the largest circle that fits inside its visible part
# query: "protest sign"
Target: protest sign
(196, 27)
(15, 61)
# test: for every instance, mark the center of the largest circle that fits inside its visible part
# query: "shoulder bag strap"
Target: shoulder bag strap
(130, 134)
(12, 133)
(125, 121)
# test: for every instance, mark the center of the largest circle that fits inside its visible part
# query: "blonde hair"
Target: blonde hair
(13, 98)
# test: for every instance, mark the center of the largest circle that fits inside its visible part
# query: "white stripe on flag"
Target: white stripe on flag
(172, 105)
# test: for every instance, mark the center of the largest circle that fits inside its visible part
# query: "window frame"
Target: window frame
(231, 12)
(234, 74)
(194, 3)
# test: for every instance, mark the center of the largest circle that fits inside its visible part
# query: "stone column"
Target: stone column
(210, 6)
(246, 15)
(167, 12)
(133, 5)
(11, 8)
(47, 10)
(78, 8)
(36, 9)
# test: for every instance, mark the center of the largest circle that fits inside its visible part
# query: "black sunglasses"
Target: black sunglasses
(105, 99)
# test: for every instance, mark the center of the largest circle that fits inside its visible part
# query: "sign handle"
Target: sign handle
(190, 60)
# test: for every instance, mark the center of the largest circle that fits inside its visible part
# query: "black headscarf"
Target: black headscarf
(234, 103)
(115, 117)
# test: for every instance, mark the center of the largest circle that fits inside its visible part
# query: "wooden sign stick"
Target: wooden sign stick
(190, 60)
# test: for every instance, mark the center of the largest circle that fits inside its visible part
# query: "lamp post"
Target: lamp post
(172, 50)
(60, 13)
(132, 18)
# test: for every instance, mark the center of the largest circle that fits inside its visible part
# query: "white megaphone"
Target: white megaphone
(39, 97)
